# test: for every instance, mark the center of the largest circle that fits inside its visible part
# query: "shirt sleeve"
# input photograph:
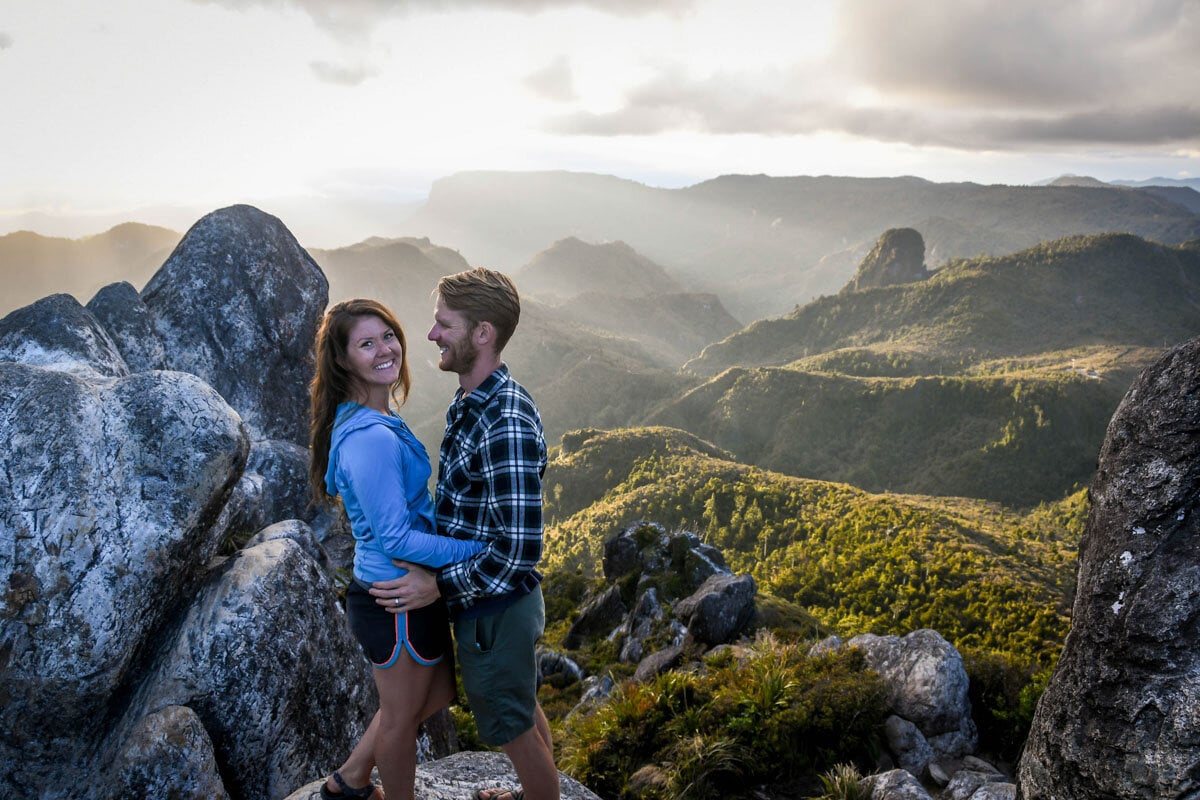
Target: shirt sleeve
(372, 461)
(511, 457)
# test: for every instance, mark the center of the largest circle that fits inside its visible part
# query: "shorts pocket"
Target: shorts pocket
(485, 632)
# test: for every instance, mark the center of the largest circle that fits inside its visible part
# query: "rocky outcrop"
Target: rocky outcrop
(263, 614)
(1120, 714)
(237, 304)
(680, 596)
(59, 334)
(898, 257)
(930, 733)
(720, 610)
(459, 776)
(119, 308)
(114, 489)
(135, 659)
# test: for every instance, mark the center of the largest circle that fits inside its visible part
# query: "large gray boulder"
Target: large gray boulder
(720, 610)
(58, 333)
(112, 489)
(265, 659)
(169, 754)
(896, 784)
(237, 304)
(598, 617)
(119, 309)
(927, 685)
(1120, 716)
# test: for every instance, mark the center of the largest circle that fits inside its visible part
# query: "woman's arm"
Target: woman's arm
(372, 460)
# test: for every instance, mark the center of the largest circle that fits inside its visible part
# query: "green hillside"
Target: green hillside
(1081, 291)
(984, 576)
(1018, 439)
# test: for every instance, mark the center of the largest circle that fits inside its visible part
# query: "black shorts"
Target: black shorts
(424, 633)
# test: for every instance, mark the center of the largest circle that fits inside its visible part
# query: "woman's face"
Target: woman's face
(373, 354)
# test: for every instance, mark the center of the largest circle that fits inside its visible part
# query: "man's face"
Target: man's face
(451, 332)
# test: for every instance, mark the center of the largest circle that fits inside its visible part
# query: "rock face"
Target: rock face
(135, 660)
(898, 257)
(930, 723)
(114, 489)
(119, 308)
(238, 304)
(58, 333)
(1120, 714)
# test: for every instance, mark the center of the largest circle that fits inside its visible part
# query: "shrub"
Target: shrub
(772, 715)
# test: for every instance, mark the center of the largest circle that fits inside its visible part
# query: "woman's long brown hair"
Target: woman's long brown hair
(333, 384)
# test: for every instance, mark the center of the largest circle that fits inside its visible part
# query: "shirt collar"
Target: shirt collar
(486, 390)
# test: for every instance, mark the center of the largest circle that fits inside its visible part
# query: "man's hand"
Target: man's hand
(409, 592)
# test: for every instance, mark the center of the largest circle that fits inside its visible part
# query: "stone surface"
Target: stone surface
(119, 308)
(598, 617)
(965, 784)
(639, 625)
(896, 784)
(459, 776)
(927, 681)
(908, 744)
(621, 556)
(293, 530)
(720, 610)
(112, 487)
(238, 304)
(58, 333)
(658, 662)
(1120, 715)
(265, 658)
(897, 257)
(169, 755)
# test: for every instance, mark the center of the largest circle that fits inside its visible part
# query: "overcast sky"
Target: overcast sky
(135, 106)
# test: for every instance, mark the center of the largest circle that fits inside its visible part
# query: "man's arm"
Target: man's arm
(512, 456)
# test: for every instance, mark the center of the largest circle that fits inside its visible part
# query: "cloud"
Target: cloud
(1024, 53)
(6, 41)
(965, 74)
(555, 81)
(342, 74)
(355, 19)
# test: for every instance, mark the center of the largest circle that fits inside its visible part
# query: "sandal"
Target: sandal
(362, 793)
(500, 794)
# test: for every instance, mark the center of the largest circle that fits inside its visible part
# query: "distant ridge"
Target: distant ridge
(571, 267)
(762, 243)
(1089, 290)
(33, 266)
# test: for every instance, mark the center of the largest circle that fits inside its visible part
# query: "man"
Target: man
(489, 489)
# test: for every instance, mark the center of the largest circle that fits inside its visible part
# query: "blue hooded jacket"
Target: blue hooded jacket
(381, 470)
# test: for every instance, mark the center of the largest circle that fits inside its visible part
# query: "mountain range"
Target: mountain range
(992, 377)
(766, 244)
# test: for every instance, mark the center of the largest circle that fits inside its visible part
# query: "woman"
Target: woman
(363, 453)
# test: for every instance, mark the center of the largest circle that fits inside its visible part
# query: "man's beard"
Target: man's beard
(462, 357)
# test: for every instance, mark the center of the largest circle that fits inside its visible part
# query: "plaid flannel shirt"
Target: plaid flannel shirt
(489, 489)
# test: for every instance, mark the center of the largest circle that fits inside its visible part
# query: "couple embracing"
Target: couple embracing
(469, 556)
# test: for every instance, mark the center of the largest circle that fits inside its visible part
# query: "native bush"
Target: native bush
(770, 713)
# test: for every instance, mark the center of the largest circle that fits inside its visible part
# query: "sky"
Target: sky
(338, 115)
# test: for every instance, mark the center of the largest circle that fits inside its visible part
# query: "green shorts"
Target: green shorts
(499, 667)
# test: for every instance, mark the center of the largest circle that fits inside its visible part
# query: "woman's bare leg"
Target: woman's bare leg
(356, 771)
(404, 691)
